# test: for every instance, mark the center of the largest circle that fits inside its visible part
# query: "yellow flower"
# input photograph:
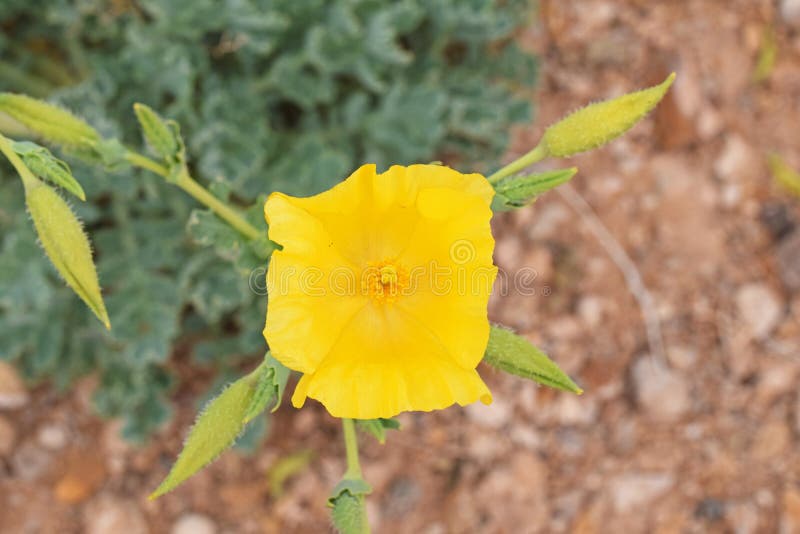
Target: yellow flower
(379, 294)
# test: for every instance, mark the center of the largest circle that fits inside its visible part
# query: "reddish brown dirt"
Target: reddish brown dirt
(703, 439)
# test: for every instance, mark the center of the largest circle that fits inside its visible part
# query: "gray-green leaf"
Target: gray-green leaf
(514, 354)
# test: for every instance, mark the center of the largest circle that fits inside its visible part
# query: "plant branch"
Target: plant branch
(534, 156)
(184, 180)
(351, 446)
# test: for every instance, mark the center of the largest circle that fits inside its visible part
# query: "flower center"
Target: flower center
(384, 281)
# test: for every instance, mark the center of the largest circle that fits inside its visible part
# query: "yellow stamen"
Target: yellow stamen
(384, 281)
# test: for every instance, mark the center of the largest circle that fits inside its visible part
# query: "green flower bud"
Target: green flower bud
(65, 243)
(51, 122)
(599, 123)
(514, 354)
(163, 136)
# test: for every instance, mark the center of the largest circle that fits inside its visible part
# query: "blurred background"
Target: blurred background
(668, 275)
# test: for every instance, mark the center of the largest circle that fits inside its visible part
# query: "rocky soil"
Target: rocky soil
(666, 283)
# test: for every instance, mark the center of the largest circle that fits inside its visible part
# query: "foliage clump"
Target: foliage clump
(278, 95)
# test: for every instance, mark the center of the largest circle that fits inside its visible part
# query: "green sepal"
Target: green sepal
(347, 506)
(349, 515)
(270, 384)
(378, 427)
(522, 190)
(263, 247)
(514, 354)
(353, 486)
(46, 166)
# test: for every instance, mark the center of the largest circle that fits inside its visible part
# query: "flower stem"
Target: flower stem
(184, 180)
(351, 446)
(534, 156)
(143, 162)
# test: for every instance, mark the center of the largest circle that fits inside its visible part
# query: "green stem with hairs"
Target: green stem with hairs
(534, 156)
(198, 192)
(351, 446)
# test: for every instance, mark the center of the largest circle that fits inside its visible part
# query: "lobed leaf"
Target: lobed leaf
(521, 190)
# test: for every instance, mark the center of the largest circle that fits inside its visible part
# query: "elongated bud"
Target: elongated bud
(514, 354)
(599, 123)
(163, 136)
(46, 166)
(224, 418)
(65, 244)
(518, 191)
(51, 122)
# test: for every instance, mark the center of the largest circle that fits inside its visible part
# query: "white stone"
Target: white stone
(590, 309)
(759, 308)
(736, 160)
(549, 221)
(194, 524)
(525, 436)
(574, 410)
(634, 490)
(52, 436)
(661, 391)
(495, 415)
(13, 394)
(30, 461)
(709, 124)
(682, 357)
(742, 518)
(790, 11)
(109, 515)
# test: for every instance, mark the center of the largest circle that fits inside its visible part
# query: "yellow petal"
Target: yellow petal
(386, 363)
(311, 287)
